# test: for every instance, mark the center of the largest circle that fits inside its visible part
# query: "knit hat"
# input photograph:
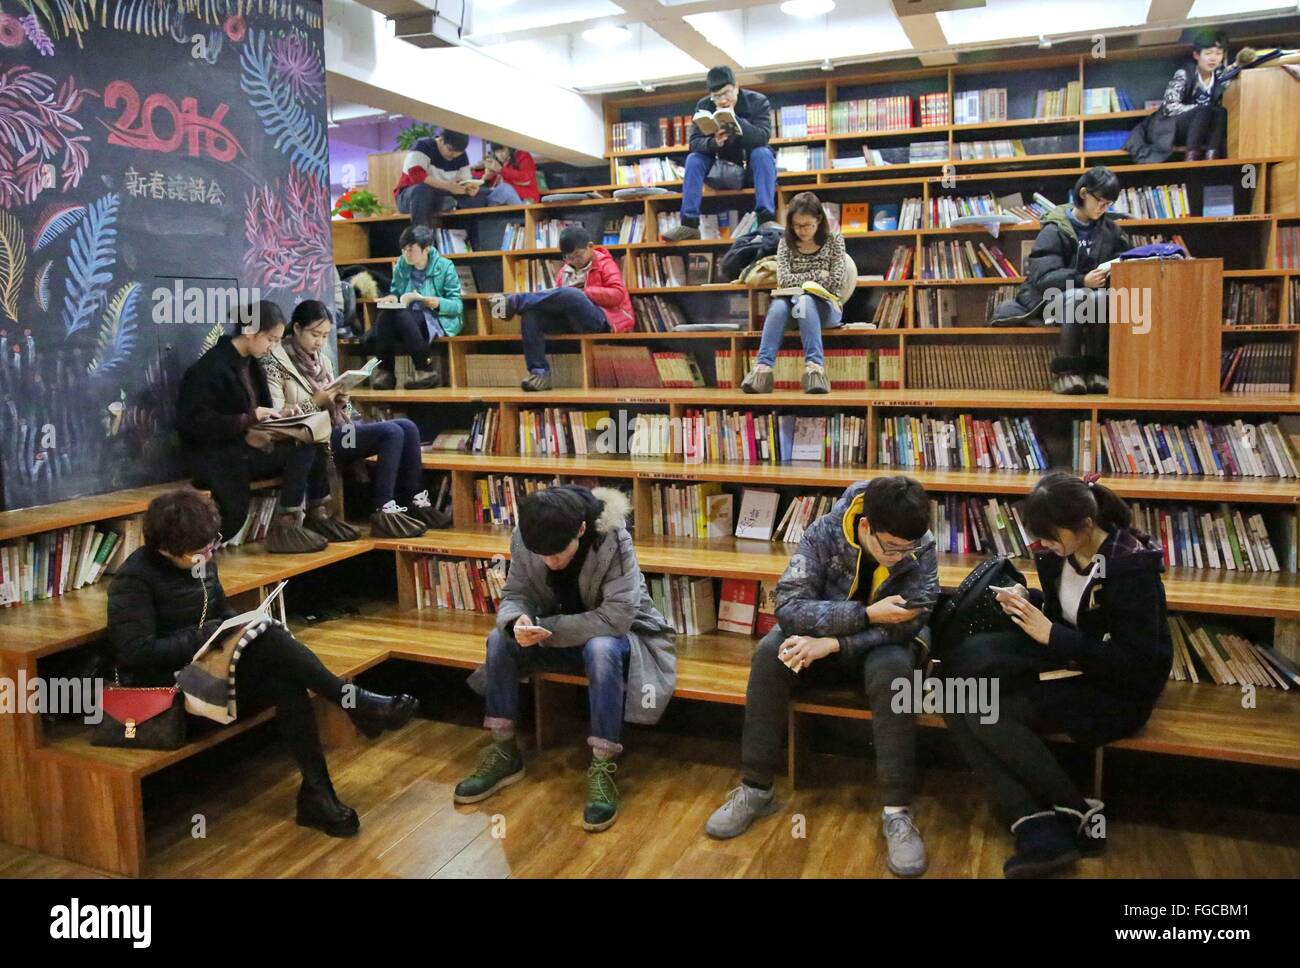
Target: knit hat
(720, 77)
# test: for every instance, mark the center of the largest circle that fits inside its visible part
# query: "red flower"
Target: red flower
(346, 213)
(11, 31)
(235, 28)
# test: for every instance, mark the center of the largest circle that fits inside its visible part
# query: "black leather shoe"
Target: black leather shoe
(374, 713)
(318, 807)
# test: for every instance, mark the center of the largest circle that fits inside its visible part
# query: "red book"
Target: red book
(738, 606)
(766, 618)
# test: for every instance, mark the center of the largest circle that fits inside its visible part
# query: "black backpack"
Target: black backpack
(972, 608)
(748, 249)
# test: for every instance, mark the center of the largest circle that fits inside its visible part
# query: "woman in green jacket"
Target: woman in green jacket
(423, 303)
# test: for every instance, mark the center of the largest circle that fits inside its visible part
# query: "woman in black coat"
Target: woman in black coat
(223, 397)
(1101, 615)
(166, 601)
(1191, 112)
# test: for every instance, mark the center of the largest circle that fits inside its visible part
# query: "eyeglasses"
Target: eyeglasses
(895, 552)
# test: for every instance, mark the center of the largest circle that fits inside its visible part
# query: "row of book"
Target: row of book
(941, 211)
(955, 259)
(1251, 303)
(1154, 201)
(496, 497)
(468, 585)
(1148, 238)
(648, 171)
(657, 314)
(1064, 102)
(513, 237)
(41, 566)
(1287, 254)
(1021, 366)
(1201, 449)
(480, 438)
(1105, 100)
(694, 269)
(630, 136)
(970, 525)
(628, 230)
(697, 511)
(452, 241)
(890, 310)
(745, 437)
(685, 603)
(1205, 652)
(1257, 368)
(800, 121)
(547, 232)
(509, 369)
(675, 131)
(637, 366)
(900, 263)
(963, 442)
(978, 107)
(800, 158)
(261, 509)
(922, 151)
(999, 148)
(1222, 538)
(859, 368)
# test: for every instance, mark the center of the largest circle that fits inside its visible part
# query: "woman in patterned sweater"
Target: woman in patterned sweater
(1193, 99)
(809, 252)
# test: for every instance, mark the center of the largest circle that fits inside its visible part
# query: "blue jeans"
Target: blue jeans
(502, 193)
(760, 174)
(397, 442)
(813, 316)
(602, 660)
(563, 310)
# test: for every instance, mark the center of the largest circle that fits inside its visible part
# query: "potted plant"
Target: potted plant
(357, 203)
(407, 137)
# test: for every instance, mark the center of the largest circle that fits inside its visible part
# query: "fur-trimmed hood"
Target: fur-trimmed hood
(614, 510)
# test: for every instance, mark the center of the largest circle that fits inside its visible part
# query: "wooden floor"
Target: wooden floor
(401, 785)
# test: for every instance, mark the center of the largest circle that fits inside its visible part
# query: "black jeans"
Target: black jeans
(228, 472)
(402, 331)
(423, 202)
(1083, 346)
(277, 670)
(767, 700)
(1202, 128)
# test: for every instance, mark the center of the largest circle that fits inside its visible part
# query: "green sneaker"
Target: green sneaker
(602, 795)
(500, 766)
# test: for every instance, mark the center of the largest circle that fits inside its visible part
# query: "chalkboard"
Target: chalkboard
(161, 162)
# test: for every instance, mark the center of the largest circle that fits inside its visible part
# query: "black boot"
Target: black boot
(319, 807)
(1067, 375)
(1089, 826)
(373, 713)
(1044, 844)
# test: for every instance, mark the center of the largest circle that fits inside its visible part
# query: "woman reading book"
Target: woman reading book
(301, 379)
(810, 273)
(1099, 632)
(166, 601)
(423, 304)
(510, 168)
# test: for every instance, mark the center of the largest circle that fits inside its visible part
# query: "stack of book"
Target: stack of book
(1064, 102)
(1002, 148)
(944, 208)
(629, 136)
(656, 314)
(801, 121)
(480, 438)
(847, 369)
(509, 369)
(1105, 100)
(724, 224)
(1237, 449)
(637, 366)
(1251, 303)
(965, 443)
(995, 297)
(1257, 368)
(801, 158)
(695, 269)
(699, 511)
(685, 603)
(1288, 248)
(534, 275)
(1035, 209)
(976, 107)
(741, 606)
(879, 114)
(561, 432)
(955, 259)
(41, 566)
(471, 585)
(801, 512)
(513, 237)
(648, 171)
(630, 229)
(713, 436)
(911, 213)
(548, 231)
(1206, 652)
(261, 509)
(927, 151)
(936, 308)
(966, 525)
(1224, 538)
(900, 264)
(1154, 201)
(1023, 366)
(496, 497)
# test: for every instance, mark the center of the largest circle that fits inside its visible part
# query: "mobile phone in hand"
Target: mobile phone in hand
(920, 601)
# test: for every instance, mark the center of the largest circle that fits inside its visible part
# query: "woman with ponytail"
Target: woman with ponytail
(1101, 616)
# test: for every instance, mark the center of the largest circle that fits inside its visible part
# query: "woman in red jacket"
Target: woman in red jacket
(502, 163)
(589, 297)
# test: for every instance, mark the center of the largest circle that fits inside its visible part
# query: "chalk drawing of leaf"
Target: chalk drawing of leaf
(296, 130)
(117, 332)
(90, 260)
(13, 260)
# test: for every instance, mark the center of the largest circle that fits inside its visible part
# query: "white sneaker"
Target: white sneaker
(392, 507)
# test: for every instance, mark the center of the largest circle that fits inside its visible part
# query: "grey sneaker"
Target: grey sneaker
(1097, 383)
(1070, 384)
(906, 856)
(683, 233)
(537, 381)
(383, 380)
(424, 380)
(815, 379)
(743, 805)
(499, 304)
(758, 380)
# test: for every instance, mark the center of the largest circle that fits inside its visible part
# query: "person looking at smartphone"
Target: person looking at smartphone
(842, 618)
(1101, 611)
(575, 601)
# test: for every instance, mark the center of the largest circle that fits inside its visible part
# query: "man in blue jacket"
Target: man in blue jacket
(841, 618)
(743, 143)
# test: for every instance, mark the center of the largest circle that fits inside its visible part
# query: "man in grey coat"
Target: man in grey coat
(843, 615)
(575, 602)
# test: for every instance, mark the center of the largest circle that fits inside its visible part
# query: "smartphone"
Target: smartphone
(922, 601)
(1005, 589)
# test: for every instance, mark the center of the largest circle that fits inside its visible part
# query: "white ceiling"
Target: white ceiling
(675, 40)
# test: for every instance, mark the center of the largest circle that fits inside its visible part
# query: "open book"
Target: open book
(263, 611)
(351, 378)
(709, 123)
(810, 287)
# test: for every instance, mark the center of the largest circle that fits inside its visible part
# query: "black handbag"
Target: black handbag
(972, 608)
(146, 719)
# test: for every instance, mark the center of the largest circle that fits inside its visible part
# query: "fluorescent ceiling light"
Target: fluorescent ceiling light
(607, 34)
(807, 8)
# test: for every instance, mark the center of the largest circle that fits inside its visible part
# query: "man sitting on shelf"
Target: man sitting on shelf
(731, 153)
(575, 601)
(589, 297)
(842, 618)
(1066, 285)
(437, 177)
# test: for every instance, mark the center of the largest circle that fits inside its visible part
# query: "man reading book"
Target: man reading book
(842, 617)
(731, 127)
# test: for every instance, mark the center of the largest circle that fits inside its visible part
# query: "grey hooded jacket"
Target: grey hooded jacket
(815, 594)
(618, 602)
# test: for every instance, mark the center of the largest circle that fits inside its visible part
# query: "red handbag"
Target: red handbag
(149, 719)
